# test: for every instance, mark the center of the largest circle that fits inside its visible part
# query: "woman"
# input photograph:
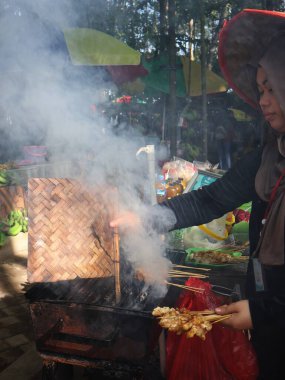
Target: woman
(252, 58)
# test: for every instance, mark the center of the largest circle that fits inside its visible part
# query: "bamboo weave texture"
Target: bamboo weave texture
(69, 233)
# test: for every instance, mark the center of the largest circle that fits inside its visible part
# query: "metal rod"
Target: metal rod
(116, 243)
(117, 265)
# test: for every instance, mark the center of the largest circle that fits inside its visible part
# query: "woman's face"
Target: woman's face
(269, 105)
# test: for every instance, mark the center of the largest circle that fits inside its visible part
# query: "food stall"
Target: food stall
(213, 272)
(14, 177)
(220, 245)
(58, 287)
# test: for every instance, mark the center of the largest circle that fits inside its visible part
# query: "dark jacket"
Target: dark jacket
(267, 308)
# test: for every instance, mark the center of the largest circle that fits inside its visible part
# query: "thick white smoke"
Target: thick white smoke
(45, 100)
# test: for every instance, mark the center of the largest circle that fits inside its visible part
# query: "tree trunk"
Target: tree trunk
(162, 48)
(162, 25)
(172, 79)
(203, 82)
(215, 35)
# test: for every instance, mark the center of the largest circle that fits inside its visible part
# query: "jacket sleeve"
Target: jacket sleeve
(225, 194)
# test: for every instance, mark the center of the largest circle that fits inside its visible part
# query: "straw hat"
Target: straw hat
(242, 43)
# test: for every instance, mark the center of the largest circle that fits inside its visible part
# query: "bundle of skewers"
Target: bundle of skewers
(184, 321)
(180, 272)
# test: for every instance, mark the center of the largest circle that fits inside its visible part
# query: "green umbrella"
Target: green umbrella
(158, 77)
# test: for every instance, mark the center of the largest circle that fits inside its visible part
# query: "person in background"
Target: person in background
(252, 58)
(251, 141)
(224, 134)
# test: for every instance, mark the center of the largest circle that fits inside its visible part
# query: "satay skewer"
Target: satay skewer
(192, 312)
(184, 276)
(178, 275)
(222, 317)
(210, 317)
(184, 321)
(189, 267)
(189, 274)
(198, 290)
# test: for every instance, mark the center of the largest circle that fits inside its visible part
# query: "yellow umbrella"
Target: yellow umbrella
(214, 82)
(91, 47)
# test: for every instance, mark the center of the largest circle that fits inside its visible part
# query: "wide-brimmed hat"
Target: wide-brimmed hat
(242, 43)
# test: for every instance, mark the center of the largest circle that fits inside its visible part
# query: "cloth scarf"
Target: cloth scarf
(270, 248)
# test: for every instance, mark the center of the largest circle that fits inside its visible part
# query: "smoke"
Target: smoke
(45, 100)
(145, 247)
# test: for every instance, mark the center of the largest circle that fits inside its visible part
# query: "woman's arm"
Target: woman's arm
(201, 206)
(225, 194)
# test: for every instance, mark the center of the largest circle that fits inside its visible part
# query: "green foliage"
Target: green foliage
(190, 152)
(144, 25)
(137, 22)
(191, 142)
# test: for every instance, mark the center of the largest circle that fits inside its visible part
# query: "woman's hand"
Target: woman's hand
(240, 319)
(126, 220)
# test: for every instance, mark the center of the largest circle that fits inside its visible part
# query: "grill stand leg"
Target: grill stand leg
(56, 371)
(162, 352)
(49, 370)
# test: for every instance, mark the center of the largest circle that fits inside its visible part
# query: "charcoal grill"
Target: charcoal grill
(87, 307)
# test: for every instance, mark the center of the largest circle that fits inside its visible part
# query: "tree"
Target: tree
(153, 27)
(172, 78)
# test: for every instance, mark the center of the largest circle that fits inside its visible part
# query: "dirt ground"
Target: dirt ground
(18, 356)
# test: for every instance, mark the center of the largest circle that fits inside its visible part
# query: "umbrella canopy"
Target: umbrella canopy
(132, 88)
(240, 115)
(188, 77)
(91, 47)
(126, 73)
(192, 75)
(158, 75)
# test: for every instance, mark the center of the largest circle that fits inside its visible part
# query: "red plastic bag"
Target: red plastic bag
(226, 354)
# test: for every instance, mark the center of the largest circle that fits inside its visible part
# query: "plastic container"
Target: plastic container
(179, 187)
(160, 188)
(171, 191)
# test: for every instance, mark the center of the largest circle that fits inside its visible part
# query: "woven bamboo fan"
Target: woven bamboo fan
(69, 233)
